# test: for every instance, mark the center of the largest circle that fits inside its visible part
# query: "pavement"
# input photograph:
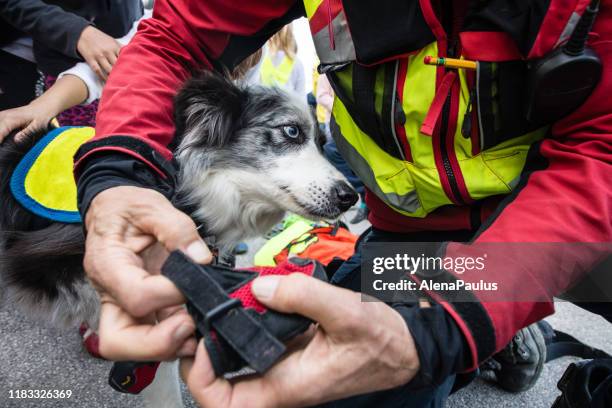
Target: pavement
(35, 356)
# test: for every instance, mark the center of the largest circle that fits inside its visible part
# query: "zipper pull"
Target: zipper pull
(466, 127)
(330, 26)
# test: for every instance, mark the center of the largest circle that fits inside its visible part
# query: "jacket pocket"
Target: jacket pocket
(501, 94)
(385, 29)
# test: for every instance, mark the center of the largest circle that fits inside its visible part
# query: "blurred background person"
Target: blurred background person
(280, 66)
(75, 89)
(61, 33)
(18, 72)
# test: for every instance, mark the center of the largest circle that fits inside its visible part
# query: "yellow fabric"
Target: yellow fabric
(311, 6)
(491, 172)
(275, 76)
(265, 256)
(50, 181)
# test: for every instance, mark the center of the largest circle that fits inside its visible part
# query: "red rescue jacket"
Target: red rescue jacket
(565, 195)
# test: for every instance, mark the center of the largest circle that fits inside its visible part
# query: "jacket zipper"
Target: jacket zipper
(448, 168)
(393, 113)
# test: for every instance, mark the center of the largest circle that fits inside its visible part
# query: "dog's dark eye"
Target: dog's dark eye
(291, 131)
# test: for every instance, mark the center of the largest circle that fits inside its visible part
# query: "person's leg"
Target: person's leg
(17, 81)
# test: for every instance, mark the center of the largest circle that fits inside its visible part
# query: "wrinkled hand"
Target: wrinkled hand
(99, 50)
(30, 119)
(130, 232)
(358, 347)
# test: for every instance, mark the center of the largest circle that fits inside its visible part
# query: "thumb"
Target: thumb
(307, 296)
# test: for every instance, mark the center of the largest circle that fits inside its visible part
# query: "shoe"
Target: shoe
(241, 248)
(361, 215)
(519, 365)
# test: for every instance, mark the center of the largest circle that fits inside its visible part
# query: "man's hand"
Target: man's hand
(130, 232)
(99, 50)
(358, 347)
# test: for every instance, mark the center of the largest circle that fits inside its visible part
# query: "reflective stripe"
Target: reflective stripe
(343, 50)
(408, 202)
(276, 76)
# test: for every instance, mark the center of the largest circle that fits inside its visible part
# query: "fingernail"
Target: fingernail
(182, 332)
(263, 288)
(198, 251)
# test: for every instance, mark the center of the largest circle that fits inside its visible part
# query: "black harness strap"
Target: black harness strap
(565, 345)
(249, 338)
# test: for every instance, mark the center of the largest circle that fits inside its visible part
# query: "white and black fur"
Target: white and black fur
(246, 156)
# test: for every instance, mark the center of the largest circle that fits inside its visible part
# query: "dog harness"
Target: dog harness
(238, 330)
(43, 181)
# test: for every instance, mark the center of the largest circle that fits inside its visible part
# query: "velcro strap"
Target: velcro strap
(248, 337)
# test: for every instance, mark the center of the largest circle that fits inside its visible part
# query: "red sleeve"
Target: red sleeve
(565, 196)
(181, 36)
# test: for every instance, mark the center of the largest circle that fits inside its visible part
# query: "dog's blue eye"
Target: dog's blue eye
(291, 131)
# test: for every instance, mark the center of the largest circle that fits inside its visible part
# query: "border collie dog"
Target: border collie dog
(246, 155)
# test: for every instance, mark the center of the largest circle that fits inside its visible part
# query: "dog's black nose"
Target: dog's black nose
(345, 195)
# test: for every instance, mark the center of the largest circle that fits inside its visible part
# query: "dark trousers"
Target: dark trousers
(17, 81)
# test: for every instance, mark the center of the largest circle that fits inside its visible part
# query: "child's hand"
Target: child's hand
(29, 118)
(99, 50)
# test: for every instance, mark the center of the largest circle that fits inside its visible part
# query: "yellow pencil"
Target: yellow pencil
(451, 62)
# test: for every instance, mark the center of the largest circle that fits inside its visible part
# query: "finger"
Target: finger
(123, 338)
(106, 66)
(175, 230)
(31, 129)
(121, 274)
(297, 293)
(7, 125)
(188, 349)
(166, 312)
(206, 388)
(283, 385)
(117, 48)
(112, 57)
(95, 67)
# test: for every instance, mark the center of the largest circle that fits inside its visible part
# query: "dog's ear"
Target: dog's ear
(208, 109)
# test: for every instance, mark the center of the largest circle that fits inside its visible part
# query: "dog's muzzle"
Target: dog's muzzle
(344, 196)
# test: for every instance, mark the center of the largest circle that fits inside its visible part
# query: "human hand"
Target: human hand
(131, 230)
(30, 119)
(99, 50)
(358, 347)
